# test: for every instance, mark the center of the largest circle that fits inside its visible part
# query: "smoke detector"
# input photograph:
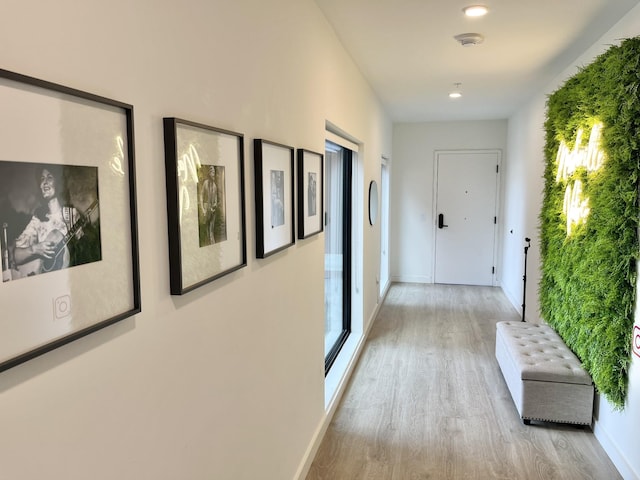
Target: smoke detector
(469, 39)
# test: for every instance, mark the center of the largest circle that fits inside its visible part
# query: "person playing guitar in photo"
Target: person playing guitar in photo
(208, 202)
(42, 245)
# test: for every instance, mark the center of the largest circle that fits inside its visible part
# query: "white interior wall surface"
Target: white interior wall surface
(226, 382)
(414, 151)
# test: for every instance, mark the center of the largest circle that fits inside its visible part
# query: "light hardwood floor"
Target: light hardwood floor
(427, 401)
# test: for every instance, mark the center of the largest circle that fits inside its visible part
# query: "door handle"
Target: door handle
(441, 221)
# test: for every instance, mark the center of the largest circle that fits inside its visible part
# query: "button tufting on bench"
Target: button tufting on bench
(546, 380)
(541, 354)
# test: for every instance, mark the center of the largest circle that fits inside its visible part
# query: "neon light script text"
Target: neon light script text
(576, 207)
(118, 158)
(188, 166)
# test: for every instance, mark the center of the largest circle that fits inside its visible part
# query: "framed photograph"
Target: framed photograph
(310, 188)
(274, 165)
(205, 203)
(68, 216)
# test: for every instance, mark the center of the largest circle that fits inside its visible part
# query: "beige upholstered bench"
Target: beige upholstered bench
(546, 381)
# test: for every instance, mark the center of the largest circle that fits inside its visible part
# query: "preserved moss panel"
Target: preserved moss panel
(589, 217)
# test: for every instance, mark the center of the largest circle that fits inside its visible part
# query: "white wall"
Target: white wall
(227, 381)
(616, 431)
(412, 222)
(521, 203)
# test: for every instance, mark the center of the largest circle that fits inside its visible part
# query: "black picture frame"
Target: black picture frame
(205, 203)
(274, 197)
(68, 211)
(310, 193)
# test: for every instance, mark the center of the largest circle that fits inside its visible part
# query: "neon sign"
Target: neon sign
(591, 157)
(118, 158)
(188, 166)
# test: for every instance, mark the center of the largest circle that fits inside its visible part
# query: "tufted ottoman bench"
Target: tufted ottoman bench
(545, 378)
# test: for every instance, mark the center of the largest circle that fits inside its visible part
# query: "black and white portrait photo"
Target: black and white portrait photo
(311, 195)
(50, 218)
(212, 226)
(277, 198)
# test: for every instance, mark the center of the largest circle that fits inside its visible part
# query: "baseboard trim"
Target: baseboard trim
(411, 279)
(616, 457)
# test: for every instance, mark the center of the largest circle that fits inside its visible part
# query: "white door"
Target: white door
(466, 186)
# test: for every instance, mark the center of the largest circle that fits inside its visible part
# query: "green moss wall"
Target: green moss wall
(587, 287)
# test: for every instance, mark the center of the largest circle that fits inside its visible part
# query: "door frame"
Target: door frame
(498, 209)
(385, 192)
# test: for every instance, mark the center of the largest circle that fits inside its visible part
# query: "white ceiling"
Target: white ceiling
(406, 50)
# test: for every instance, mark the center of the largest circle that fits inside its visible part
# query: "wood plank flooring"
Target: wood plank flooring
(427, 401)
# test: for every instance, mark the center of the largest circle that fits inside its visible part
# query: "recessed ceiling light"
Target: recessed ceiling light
(475, 10)
(456, 93)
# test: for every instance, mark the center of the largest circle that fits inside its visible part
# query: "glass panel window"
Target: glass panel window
(337, 297)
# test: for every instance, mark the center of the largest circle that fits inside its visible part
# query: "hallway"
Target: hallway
(428, 401)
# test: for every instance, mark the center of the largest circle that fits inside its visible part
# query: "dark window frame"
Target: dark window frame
(347, 227)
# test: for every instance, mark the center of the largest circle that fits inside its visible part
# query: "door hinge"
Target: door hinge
(493, 270)
(495, 220)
